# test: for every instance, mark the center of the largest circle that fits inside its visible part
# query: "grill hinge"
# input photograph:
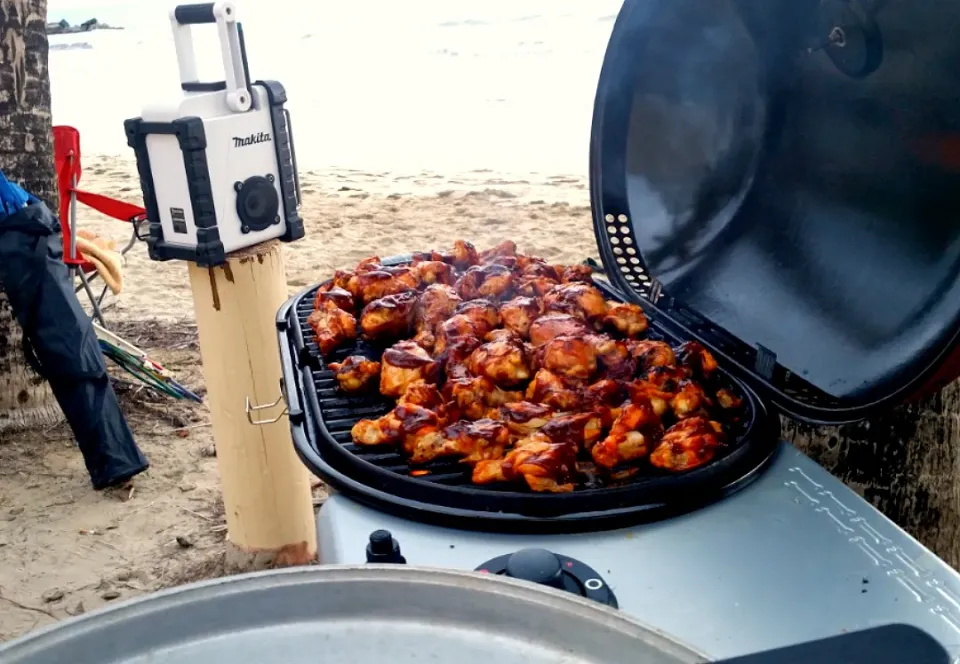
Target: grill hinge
(765, 362)
(656, 290)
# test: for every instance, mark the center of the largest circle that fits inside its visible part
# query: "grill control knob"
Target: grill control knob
(535, 565)
(552, 569)
(383, 548)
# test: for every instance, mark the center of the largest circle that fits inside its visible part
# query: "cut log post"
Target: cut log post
(266, 489)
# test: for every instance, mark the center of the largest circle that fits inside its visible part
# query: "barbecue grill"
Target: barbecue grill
(776, 181)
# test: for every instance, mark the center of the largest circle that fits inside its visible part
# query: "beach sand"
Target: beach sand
(65, 549)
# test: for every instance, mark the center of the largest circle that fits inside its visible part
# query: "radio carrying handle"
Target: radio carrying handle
(224, 14)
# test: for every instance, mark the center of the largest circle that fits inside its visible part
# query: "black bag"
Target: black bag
(61, 344)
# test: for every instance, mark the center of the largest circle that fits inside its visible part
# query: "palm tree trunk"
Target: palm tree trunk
(905, 462)
(26, 157)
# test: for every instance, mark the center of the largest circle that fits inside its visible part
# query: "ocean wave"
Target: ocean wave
(466, 23)
(73, 46)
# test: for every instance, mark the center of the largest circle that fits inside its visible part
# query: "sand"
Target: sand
(65, 549)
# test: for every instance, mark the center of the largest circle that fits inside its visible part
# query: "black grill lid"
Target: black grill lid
(782, 177)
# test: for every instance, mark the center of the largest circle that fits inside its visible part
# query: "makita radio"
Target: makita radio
(217, 166)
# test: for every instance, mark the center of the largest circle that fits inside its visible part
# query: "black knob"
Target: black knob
(383, 548)
(536, 565)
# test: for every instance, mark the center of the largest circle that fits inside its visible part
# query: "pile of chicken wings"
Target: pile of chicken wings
(519, 368)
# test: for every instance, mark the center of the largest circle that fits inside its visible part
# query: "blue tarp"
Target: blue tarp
(12, 197)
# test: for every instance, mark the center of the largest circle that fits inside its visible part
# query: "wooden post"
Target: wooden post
(266, 489)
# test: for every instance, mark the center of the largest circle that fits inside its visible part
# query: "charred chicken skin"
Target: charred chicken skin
(436, 304)
(519, 313)
(570, 357)
(356, 373)
(541, 463)
(491, 281)
(339, 296)
(402, 365)
(332, 326)
(687, 444)
(503, 361)
(389, 318)
(577, 299)
(627, 319)
(550, 326)
(631, 437)
(520, 369)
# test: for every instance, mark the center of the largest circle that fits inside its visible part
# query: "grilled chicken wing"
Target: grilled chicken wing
(576, 299)
(436, 304)
(389, 317)
(332, 326)
(419, 412)
(698, 359)
(519, 313)
(627, 319)
(668, 379)
(482, 313)
(571, 357)
(385, 430)
(632, 436)
(504, 362)
(474, 397)
(535, 286)
(685, 397)
(339, 296)
(536, 277)
(404, 364)
(382, 281)
(435, 272)
(687, 444)
(356, 373)
(550, 326)
(552, 390)
(492, 280)
(454, 356)
(464, 255)
(651, 354)
(524, 417)
(605, 398)
(543, 464)
(690, 401)
(641, 391)
(577, 273)
(580, 429)
(423, 394)
(507, 248)
(473, 441)
(342, 279)
(613, 357)
(728, 399)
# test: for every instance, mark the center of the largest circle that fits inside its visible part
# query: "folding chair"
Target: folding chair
(66, 143)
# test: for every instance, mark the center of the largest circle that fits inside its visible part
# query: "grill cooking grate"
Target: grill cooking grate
(339, 412)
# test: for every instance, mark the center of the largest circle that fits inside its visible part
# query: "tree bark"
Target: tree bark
(26, 157)
(905, 462)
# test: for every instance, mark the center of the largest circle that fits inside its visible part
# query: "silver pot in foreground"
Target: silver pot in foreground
(352, 615)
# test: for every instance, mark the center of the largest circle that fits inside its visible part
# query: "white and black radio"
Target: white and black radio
(217, 166)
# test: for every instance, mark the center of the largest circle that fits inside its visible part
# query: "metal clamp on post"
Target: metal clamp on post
(251, 409)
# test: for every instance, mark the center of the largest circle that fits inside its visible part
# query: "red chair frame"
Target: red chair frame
(66, 144)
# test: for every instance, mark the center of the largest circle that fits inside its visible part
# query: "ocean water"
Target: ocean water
(383, 85)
